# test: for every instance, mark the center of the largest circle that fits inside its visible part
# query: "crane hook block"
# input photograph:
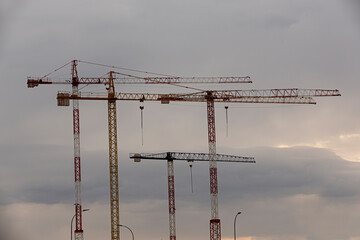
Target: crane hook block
(137, 157)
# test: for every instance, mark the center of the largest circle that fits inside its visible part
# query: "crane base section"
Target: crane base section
(215, 229)
(79, 235)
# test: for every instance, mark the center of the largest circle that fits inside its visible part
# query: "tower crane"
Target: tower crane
(75, 81)
(170, 157)
(277, 96)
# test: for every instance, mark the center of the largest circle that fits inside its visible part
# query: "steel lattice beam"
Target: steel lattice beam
(276, 96)
(79, 235)
(201, 157)
(171, 196)
(113, 171)
(113, 164)
(215, 232)
(34, 82)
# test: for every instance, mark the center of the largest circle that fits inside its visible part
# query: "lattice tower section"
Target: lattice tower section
(113, 163)
(77, 166)
(215, 229)
(171, 192)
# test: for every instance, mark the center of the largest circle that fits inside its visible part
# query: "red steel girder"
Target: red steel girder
(77, 162)
(215, 229)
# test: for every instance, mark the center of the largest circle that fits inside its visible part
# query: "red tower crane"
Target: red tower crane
(74, 81)
(278, 96)
(170, 157)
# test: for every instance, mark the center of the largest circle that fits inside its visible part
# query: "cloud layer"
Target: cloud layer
(302, 186)
(304, 193)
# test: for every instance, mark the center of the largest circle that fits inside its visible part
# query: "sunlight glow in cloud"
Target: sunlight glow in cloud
(344, 145)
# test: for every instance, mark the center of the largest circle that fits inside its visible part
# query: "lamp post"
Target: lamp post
(132, 234)
(235, 225)
(71, 224)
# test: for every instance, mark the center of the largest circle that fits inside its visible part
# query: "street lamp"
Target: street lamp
(235, 225)
(71, 224)
(132, 234)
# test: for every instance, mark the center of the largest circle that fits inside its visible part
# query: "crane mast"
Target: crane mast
(113, 161)
(170, 157)
(171, 199)
(215, 226)
(77, 163)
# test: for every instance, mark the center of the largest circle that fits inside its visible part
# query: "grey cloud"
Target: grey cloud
(287, 172)
(277, 194)
(277, 22)
(278, 173)
(283, 188)
(288, 194)
(36, 173)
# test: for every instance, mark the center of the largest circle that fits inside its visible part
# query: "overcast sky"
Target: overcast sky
(305, 184)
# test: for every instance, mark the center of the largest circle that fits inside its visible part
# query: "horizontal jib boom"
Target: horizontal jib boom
(191, 157)
(277, 96)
